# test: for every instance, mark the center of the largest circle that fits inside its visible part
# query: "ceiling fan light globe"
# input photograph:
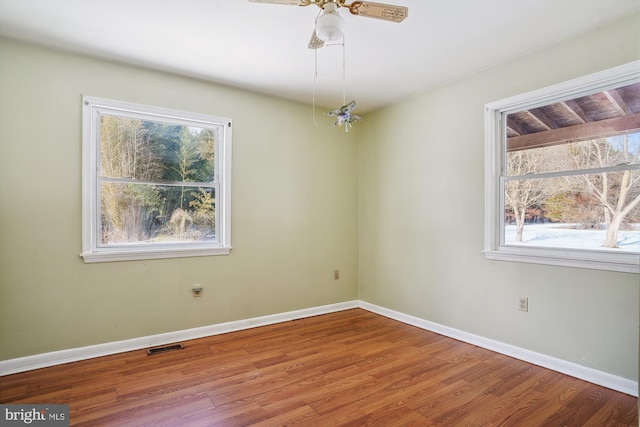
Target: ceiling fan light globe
(329, 27)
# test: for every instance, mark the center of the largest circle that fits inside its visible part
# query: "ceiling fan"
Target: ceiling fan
(330, 25)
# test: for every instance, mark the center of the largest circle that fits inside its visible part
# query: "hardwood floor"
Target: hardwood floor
(347, 368)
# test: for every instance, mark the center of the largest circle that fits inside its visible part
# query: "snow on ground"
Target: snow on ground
(562, 235)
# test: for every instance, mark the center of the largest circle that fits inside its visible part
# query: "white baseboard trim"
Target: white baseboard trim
(44, 360)
(591, 375)
(28, 363)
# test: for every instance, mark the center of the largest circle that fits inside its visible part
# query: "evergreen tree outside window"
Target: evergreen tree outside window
(156, 182)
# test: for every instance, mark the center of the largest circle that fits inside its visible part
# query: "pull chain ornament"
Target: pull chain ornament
(343, 115)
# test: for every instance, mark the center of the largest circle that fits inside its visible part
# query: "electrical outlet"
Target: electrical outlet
(523, 304)
(336, 274)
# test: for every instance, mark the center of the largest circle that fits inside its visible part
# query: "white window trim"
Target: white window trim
(495, 140)
(91, 252)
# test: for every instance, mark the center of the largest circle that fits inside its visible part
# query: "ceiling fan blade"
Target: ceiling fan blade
(315, 42)
(388, 12)
(289, 2)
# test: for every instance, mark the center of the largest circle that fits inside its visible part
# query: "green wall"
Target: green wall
(396, 205)
(294, 211)
(421, 218)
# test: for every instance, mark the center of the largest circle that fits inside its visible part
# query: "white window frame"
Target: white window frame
(91, 222)
(494, 164)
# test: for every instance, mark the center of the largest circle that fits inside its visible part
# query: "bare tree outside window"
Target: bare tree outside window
(606, 197)
(523, 196)
(562, 173)
(616, 193)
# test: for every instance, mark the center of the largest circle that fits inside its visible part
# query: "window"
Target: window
(562, 174)
(156, 182)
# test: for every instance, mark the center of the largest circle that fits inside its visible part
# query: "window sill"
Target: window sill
(129, 255)
(595, 260)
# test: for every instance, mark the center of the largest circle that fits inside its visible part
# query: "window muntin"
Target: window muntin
(564, 191)
(156, 182)
(575, 156)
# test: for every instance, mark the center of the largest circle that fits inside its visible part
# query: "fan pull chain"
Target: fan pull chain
(344, 74)
(315, 79)
(315, 76)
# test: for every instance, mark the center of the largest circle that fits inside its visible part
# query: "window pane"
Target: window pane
(580, 155)
(580, 212)
(152, 151)
(141, 213)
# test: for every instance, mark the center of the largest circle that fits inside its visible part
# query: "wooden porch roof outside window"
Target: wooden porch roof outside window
(599, 115)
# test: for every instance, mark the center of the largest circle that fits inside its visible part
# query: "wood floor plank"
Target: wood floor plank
(145, 410)
(297, 415)
(349, 368)
(84, 401)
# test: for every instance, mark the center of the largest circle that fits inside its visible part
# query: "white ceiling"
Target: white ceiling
(263, 47)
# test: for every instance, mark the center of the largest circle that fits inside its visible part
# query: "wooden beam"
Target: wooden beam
(542, 119)
(583, 132)
(575, 110)
(515, 127)
(617, 101)
(511, 130)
